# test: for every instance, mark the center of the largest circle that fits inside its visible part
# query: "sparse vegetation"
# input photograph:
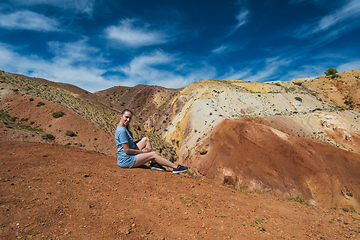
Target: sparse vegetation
(39, 104)
(290, 89)
(298, 99)
(348, 193)
(49, 136)
(299, 200)
(58, 114)
(256, 223)
(243, 187)
(70, 133)
(332, 73)
(10, 123)
(349, 101)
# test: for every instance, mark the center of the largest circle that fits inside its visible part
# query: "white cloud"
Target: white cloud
(79, 65)
(304, 72)
(353, 65)
(241, 18)
(350, 10)
(131, 36)
(78, 51)
(220, 49)
(271, 68)
(232, 74)
(333, 21)
(272, 65)
(82, 6)
(145, 62)
(158, 68)
(58, 69)
(27, 20)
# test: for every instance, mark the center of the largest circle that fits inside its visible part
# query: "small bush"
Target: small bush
(298, 83)
(13, 119)
(298, 99)
(256, 223)
(58, 114)
(40, 104)
(31, 99)
(70, 133)
(290, 89)
(243, 187)
(332, 73)
(299, 200)
(49, 136)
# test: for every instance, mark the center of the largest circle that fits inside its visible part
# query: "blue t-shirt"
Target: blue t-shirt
(122, 135)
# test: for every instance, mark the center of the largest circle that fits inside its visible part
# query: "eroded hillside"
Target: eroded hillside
(316, 116)
(27, 106)
(253, 156)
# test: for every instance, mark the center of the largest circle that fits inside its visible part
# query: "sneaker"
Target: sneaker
(156, 166)
(180, 169)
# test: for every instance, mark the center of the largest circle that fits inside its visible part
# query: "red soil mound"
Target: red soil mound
(61, 192)
(27, 112)
(248, 154)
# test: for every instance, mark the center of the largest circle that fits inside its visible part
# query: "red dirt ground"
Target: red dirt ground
(49, 191)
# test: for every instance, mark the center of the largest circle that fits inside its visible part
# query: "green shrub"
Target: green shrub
(40, 104)
(49, 136)
(332, 73)
(70, 133)
(298, 99)
(299, 200)
(58, 114)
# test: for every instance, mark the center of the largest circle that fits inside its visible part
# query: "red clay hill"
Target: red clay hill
(252, 156)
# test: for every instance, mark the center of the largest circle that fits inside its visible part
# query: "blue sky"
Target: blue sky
(97, 44)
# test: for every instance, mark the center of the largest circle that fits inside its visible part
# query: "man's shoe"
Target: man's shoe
(180, 169)
(156, 166)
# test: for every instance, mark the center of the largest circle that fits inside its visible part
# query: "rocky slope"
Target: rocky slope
(305, 112)
(27, 106)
